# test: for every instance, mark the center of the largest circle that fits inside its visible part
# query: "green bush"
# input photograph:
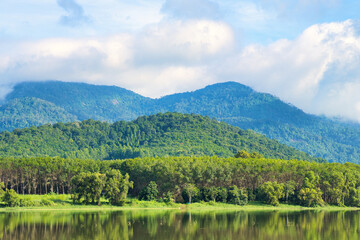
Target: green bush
(150, 192)
(168, 197)
(27, 203)
(11, 198)
(46, 202)
(209, 193)
(222, 195)
(237, 196)
(271, 192)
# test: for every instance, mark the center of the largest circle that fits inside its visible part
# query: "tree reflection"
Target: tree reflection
(165, 224)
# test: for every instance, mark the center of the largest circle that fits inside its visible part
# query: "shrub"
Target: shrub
(46, 202)
(222, 195)
(237, 196)
(209, 194)
(117, 187)
(150, 192)
(168, 197)
(27, 203)
(11, 198)
(271, 192)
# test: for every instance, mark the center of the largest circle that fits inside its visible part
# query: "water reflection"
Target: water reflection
(146, 224)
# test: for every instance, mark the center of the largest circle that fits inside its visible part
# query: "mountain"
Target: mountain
(87, 101)
(29, 111)
(170, 134)
(241, 106)
(230, 102)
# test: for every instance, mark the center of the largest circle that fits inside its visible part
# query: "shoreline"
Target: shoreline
(251, 207)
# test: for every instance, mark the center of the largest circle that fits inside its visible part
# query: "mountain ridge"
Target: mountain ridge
(231, 102)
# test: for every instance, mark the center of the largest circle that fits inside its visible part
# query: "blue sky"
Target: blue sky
(307, 52)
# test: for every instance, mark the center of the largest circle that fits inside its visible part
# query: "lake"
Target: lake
(173, 224)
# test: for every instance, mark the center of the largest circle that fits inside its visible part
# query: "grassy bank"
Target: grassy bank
(53, 202)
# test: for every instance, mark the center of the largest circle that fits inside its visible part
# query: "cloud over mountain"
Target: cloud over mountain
(318, 71)
(194, 44)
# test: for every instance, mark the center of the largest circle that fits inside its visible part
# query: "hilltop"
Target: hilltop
(170, 134)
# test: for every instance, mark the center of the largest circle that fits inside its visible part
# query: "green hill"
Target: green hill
(87, 101)
(29, 111)
(230, 102)
(172, 134)
(241, 106)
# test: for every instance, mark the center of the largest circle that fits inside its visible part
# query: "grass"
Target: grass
(64, 202)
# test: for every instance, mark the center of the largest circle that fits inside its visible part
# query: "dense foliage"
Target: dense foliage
(25, 112)
(86, 101)
(230, 102)
(88, 187)
(171, 134)
(190, 179)
(241, 106)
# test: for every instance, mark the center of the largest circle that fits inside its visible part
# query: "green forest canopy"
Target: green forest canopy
(270, 180)
(170, 134)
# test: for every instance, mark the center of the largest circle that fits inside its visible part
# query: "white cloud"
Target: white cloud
(161, 59)
(179, 41)
(318, 71)
(157, 81)
(313, 72)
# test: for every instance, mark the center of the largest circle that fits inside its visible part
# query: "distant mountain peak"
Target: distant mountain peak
(230, 102)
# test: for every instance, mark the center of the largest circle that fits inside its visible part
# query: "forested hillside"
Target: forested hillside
(170, 134)
(25, 112)
(241, 106)
(230, 102)
(86, 101)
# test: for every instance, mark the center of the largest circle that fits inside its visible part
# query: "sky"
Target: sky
(306, 52)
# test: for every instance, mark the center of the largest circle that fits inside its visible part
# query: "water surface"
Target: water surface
(171, 224)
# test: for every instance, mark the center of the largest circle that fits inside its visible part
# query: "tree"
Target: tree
(191, 191)
(168, 197)
(150, 192)
(256, 155)
(354, 197)
(242, 154)
(310, 197)
(117, 187)
(2, 186)
(11, 198)
(88, 186)
(222, 195)
(272, 192)
(289, 189)
(209, 194)
(237, 196)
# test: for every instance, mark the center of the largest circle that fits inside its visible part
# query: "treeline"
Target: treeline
(170, 134)
(185, 179)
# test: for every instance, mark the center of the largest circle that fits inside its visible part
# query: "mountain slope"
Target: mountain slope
(87, 101)
(172, 134)
(230, 102)
(25, 112)
(241, 106)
